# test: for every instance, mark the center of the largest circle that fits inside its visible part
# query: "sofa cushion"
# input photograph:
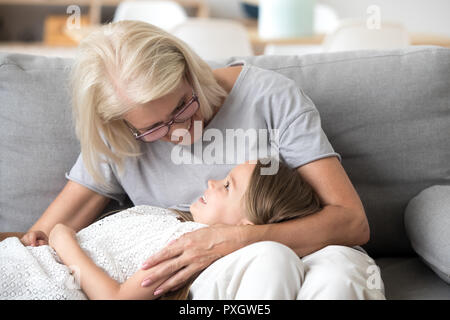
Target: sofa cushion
(427, 224)
(37, 138)
(387, 114)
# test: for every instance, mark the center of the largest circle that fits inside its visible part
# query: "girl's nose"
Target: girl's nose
(211, 184)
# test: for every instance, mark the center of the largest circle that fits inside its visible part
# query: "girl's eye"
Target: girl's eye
(227, 184)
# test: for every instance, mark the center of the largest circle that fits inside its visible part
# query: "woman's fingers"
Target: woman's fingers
(178, 287)
(163, 270)
(42, 236)
(39, 238)
(32, 239)
(170, 251)
(189, 254)
(178, 280)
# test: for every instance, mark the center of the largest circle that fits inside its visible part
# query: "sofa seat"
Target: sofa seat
(408, 278)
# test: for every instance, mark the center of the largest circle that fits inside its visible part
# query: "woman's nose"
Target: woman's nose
(175, 126)
(211, 184)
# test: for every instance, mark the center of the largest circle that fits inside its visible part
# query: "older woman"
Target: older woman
(141, 98)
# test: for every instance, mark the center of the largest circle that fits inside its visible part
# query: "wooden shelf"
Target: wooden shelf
(37, 48)
(259, 44)
(95, 6)
(429, 39)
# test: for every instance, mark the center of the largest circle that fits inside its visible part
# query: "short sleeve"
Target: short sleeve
(304, 141)
(80, 175)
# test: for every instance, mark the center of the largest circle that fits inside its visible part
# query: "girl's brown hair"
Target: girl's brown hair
(268, 199)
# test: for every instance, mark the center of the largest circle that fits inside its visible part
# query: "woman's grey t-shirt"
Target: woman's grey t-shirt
(265, 115)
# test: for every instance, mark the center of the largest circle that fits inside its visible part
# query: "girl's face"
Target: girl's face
(221, 202)
(161, 110)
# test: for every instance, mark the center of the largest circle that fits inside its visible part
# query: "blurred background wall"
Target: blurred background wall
(25, 23)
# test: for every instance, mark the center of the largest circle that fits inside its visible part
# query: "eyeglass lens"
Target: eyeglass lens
(162, 131)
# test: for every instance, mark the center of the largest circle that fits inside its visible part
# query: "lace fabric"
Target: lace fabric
(119, 244)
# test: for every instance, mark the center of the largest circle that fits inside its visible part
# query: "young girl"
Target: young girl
(104, 259)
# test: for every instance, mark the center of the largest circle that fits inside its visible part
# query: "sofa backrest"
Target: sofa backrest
(386, 112)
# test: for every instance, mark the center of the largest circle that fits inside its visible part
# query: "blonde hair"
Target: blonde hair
(267, 199)
(119, 67)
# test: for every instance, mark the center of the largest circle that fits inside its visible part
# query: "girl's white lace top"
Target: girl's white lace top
(119, 244)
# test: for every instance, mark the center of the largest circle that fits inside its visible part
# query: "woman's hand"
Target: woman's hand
(34, 239)
(59, 234)
(191, 253)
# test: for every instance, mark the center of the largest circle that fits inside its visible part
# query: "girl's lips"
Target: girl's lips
(203, 199)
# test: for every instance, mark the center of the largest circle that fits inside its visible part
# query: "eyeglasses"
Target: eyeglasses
(186, 112)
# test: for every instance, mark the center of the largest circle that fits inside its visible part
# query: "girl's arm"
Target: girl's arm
(95, 283)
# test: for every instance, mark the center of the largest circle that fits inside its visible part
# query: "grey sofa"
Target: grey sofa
(386, 112)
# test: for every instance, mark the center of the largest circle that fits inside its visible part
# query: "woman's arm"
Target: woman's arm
(342, 221)
(75, 206)
(95, 282)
